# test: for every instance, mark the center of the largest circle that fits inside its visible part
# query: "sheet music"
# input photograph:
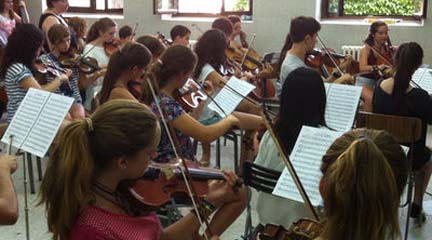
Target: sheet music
(228, 99)
(37, 121)
(306, 157)
(342, 104)
(423, 78)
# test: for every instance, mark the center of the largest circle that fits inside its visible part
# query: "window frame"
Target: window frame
(223, 12)
(92, 9)
(340, 14)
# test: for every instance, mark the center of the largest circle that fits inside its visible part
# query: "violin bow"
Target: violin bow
(330, 56)
(133, 32)
(247, 51)
(288, 164)
(184, 172)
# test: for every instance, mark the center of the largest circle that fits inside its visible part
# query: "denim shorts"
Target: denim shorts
(211, 120)
(362, 81)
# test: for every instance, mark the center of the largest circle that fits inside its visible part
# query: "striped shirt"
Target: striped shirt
(71, 90)
(14, 75)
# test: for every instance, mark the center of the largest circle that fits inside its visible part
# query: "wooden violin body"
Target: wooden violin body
(190, 96)
(112, 47)
(322, 62)
(303, 229)
(161, 182)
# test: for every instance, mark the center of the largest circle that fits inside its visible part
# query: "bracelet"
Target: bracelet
(205, 211)
(375, 68)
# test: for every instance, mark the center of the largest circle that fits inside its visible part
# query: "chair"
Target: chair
(261, 179)
(405, 130)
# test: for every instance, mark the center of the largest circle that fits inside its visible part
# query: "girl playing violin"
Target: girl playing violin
(237, 27)
(395, 96)
(212, 67)
(25, 43)
(302, 102)
(8, 19)
(80, 187)
(59, 37)
(79, 25)
(364, 175)
(100, 33)
(125, 67)
(376, 54)
(168, 75)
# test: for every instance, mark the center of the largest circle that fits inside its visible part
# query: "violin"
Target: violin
(191, 95)
(303, 229)
(384, 59)
(42, 69)
(161, 182)
(112, 47)
(163, 39)
(326, 61)
(87, 65)
(135, 88)
(251, 60)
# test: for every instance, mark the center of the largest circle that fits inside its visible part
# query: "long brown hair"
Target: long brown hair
(103, 25)
(87, 148)
(365, 172)
(131, 55)
(175, 60)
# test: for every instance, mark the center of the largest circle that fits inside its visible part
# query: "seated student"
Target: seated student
(79, 25)
(59, 37)
(81, 185)
(101, 33)
(355, 206)
(24, 45)
(212, 67)
(8, 19)
(302, 38)
(8, 198)
(302, 102)
(126, 34)
(395, 96)
(180, 35)
(125, 68)
(154, 45)
(169, 74)
(238, 32)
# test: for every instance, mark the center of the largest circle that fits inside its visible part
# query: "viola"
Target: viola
(303, 229)
(112, 47)
(190, 95)
(161, 182)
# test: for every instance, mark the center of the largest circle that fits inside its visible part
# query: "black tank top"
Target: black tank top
(61, 20)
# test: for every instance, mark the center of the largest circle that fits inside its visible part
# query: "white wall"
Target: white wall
(270, 23)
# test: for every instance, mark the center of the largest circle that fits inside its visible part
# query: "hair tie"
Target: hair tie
(89, 124)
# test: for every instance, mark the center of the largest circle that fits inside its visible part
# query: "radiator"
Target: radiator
(352, 50)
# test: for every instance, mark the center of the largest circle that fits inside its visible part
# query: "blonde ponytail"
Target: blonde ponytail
(361, 195)
(88, 146)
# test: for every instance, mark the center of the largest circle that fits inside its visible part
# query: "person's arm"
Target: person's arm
(187, 125)
(19, 18)
(30, 82)
(8, 197)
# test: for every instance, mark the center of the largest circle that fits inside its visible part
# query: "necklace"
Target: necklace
(112, 196)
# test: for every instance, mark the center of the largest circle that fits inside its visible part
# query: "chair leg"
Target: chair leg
(39, 167)
(408, 202)
(218, 153)
(248, 223)
(30, 171)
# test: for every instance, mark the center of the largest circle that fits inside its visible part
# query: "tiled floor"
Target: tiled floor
(38, 227)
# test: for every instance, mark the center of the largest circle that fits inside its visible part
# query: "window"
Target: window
(203, 7)
(96, 6)
(409, 9)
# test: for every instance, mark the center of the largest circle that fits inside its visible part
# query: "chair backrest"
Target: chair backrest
(404, 129)
(260, 178)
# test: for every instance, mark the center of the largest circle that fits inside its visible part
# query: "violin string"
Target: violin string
(329, 55)
(188, 187)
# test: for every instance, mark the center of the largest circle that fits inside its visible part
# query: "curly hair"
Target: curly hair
(210, 49)
(22, 47)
